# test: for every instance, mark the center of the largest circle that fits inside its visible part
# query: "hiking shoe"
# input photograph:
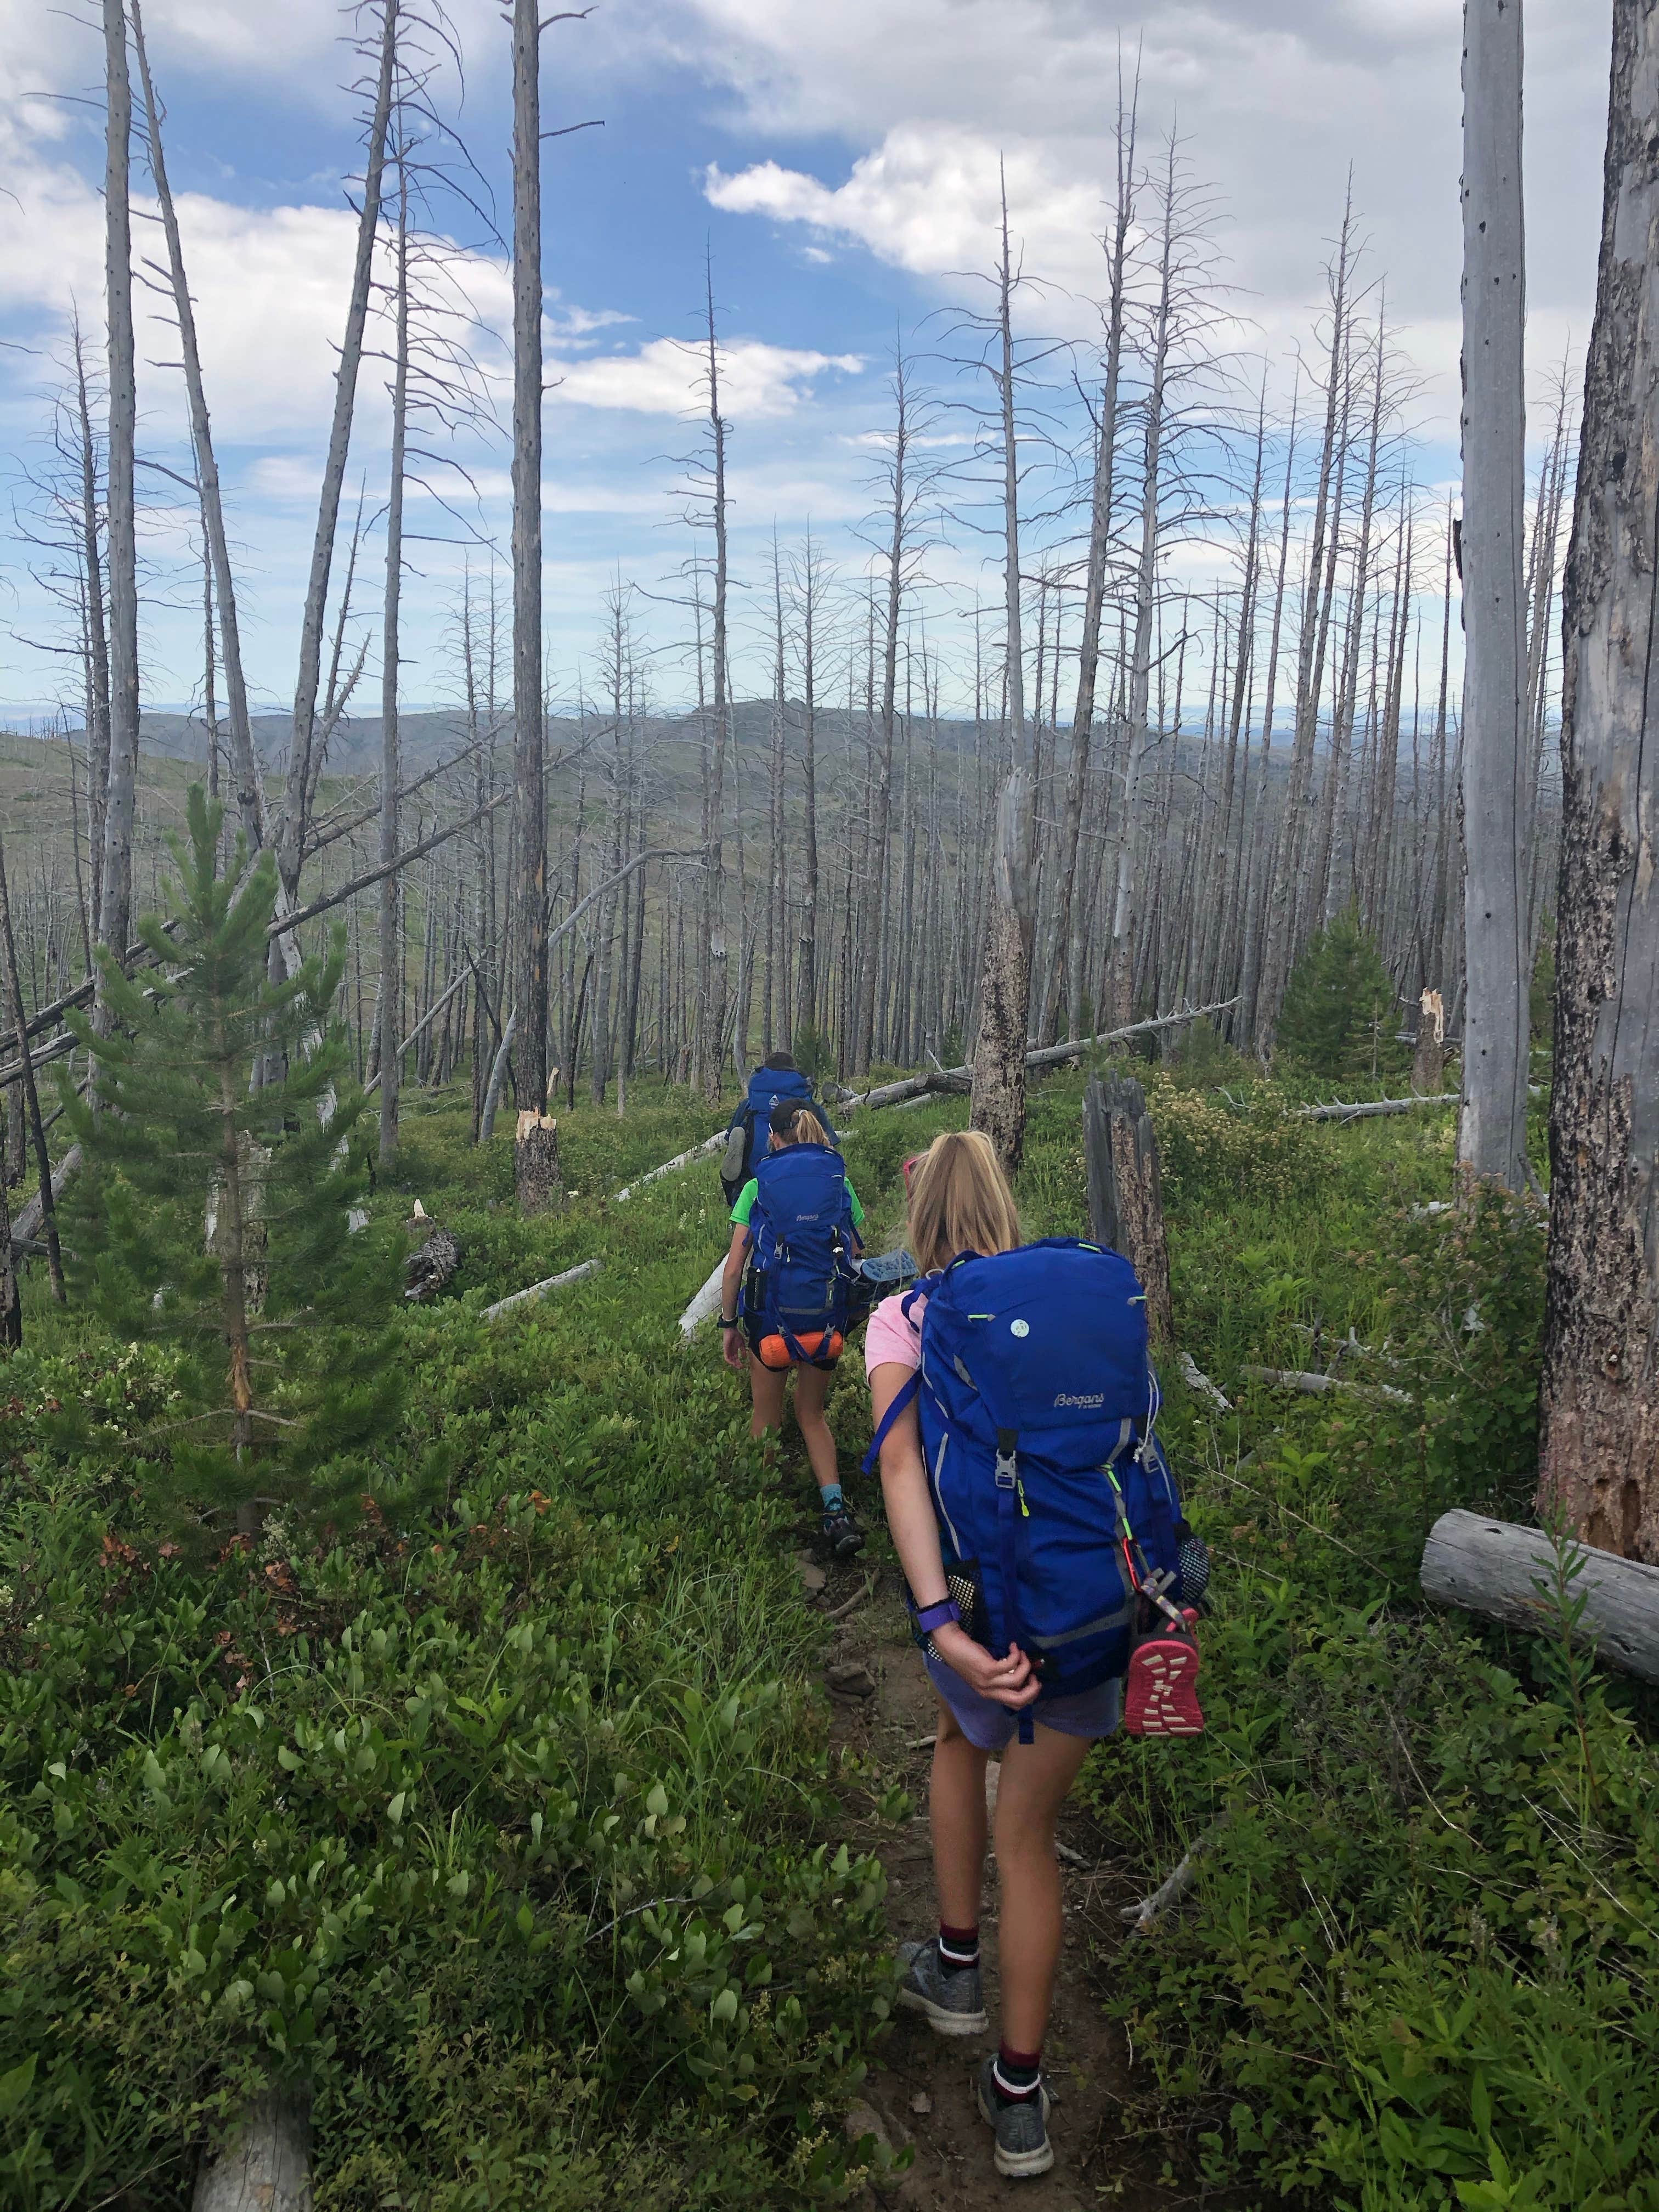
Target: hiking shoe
(1160, 1696)
(1022, 2127)
(952, 2003)
(841, 1532)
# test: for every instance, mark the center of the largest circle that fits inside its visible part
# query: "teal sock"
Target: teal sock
(830, 1498)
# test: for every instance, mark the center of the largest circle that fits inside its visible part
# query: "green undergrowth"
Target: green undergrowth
(507, 1825)
(505, 1829)
(1417, 1968)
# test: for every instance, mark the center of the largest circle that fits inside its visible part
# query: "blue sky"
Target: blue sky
(838, 159)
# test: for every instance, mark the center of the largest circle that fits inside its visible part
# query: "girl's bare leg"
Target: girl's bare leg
(811, 1391)
(956, 1815)
(1036, 1777)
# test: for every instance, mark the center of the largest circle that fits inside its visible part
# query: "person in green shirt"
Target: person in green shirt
(791, 1125)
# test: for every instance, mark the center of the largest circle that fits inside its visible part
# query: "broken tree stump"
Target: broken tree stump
(1494, 1567)
(1428, 1059)
(434, 1257)
(535, 1177)
(1126, 1196)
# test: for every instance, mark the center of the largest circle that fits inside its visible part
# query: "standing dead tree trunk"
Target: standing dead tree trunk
(1493, 1135)
(98, 671)
(1006, 991)
(529, 902)
(1118, 995)
(1126, 1194)
(391, 951)
(1600, 1458)
(13, 999)
(115, 906)
(250, 794)
(299, 781)
(1065, 978)
(881, 796)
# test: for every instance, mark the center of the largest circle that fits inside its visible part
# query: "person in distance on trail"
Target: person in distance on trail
(785, 1293)
(775, 1081)
(960, 1203)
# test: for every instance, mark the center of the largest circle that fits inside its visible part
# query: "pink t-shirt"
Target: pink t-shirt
(890, 1340)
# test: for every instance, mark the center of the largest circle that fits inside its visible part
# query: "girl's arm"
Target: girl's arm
(1009, 1681)
(733, 1350)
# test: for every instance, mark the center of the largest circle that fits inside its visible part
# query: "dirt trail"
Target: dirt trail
(921, 2091)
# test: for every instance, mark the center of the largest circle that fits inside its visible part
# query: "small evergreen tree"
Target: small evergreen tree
(213, 1216)
(1338, 1015)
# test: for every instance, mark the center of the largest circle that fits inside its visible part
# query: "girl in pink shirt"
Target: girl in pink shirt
(960, 1202)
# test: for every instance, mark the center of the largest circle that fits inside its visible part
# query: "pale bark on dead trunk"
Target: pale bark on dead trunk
(1066, 976)
(98, 701)
(300, 778)
(528, 903)
(250, 794)
(1492, 1132)
(1005, 988)
(391, 954)
(1119, 994)
(1600, 1456)
(115, 907)
(882, 767)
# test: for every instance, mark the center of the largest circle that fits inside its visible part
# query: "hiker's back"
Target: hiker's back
(1037, 1409)
(797, 1286)
(746, 1134)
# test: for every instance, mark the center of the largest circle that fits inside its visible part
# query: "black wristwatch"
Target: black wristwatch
(733, 1324)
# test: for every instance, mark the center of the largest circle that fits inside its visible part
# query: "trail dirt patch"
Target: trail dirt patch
(921, 2093)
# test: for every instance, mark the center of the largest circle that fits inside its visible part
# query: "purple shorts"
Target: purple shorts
(991, 1727)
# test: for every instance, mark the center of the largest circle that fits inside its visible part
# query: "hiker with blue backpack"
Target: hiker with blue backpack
(1051, 1578)
(786, 1293)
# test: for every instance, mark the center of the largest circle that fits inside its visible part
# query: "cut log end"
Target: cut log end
(264, 2164)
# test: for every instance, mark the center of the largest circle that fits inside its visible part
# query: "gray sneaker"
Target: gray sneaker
(952, 2003)
(1023, 2146)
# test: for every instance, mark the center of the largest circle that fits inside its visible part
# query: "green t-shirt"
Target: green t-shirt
(750, 1192)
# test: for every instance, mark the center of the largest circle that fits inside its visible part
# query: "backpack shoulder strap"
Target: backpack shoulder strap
(904, 1397)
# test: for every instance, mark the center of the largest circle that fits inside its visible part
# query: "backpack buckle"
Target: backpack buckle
(1007, 1469)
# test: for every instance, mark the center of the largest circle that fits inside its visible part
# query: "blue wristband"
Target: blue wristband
(937, 1616)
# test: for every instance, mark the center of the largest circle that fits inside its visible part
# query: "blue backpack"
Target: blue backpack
(799, 1277)
(1057, 1516)
(768, 1087)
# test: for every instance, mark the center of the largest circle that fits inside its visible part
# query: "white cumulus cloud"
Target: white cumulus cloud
(666, 377)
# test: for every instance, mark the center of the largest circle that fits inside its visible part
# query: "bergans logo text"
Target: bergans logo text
(1085, 1405)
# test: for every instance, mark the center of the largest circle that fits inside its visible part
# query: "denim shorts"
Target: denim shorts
(991, 1727)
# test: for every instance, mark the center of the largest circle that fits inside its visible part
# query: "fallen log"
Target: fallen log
(670, 1167)
(540, 1290)
(1496, 1568)
(26, 1222)
(1195, 1379)
(706, 1299)
(264, 2164)
(1296, 1378)
(1336, 1111)
(1142, 1916)
(1048, 1056)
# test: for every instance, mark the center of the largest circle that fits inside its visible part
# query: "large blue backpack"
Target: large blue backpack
(800, 1276)
(1037, 1402)
(768, 1087)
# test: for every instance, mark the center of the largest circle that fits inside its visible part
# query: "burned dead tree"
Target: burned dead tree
(1600, 1453)
(1126, 1194)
